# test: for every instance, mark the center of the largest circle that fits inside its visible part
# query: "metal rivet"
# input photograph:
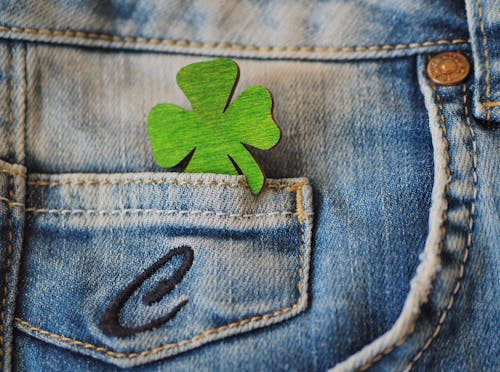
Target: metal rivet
(448, 68)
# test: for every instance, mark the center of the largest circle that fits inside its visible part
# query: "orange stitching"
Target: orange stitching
(472, 214)
(444, 218)
(12, 173)
(158, 349)
(301, 214)
(10, 202)
(202, 335)
(154, 182)
(490, 104)
(486, 53)
(223, 45)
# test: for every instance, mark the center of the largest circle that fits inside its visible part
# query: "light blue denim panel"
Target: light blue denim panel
(250, 267)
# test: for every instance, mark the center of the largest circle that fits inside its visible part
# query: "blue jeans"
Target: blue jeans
(373, 245)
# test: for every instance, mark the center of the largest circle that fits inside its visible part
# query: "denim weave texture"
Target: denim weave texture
(374, 244)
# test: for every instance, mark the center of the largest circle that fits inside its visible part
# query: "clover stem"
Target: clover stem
(249, 167)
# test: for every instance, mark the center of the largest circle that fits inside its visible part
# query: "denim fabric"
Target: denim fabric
(484, 20)
(250, 266)
(374, 244)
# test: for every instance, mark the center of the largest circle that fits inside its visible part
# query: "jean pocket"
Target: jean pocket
(133, 268)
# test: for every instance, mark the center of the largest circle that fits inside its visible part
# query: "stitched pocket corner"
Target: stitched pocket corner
(136, 268)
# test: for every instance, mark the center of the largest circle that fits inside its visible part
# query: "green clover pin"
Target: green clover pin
(216, 130)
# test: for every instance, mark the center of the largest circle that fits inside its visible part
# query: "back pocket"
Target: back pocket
(133, 268)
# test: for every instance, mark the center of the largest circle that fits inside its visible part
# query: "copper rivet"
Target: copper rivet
(448, 68)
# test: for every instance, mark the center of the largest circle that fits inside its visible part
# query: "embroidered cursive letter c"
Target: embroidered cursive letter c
(110, 322)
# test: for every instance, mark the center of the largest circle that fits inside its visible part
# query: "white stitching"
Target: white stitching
(94, 182)
(155, 211)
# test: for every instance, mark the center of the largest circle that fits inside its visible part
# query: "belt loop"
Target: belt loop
(484, 27)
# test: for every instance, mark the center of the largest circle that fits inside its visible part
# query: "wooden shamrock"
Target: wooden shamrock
(215, 129)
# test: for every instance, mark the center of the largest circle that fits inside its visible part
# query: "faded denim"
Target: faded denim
(374, 244)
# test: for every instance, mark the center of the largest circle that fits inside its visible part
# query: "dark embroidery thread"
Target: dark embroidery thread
(110, 322)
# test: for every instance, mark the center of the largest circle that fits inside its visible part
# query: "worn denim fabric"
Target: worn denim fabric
(374, 244)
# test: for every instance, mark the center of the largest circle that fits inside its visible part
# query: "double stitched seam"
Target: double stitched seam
(159, 212)
(149, 182)
(8, 263)
(222, 45)
(444, 218)
(10, 82)
(19, 100)
(300, 287)
(10, 232)
(301, 215)
(472, 213)
(26, 96)
(486, 53)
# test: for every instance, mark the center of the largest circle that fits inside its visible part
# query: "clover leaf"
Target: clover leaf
(216, 130)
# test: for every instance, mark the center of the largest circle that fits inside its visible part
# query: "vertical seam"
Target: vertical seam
(486, 53)
(472, 213)
(19, 147)
(300, 218)
(10, 83)
(8, 262)
(25, 102)
(8, 259)
(299, 201)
